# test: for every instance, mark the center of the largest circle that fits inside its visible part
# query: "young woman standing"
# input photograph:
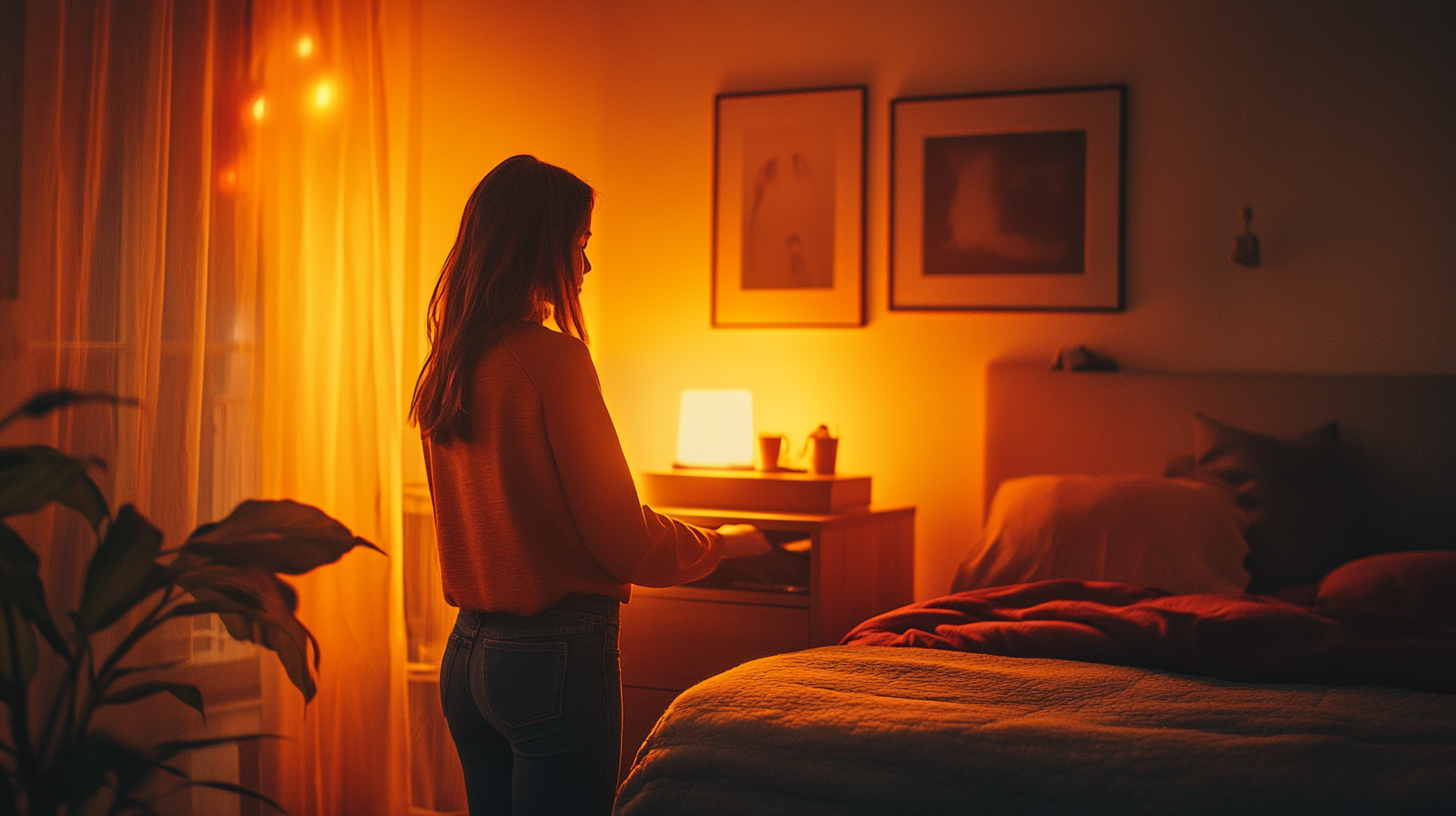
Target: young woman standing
(540, 530)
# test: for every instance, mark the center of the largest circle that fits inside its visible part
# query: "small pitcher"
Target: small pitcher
(826, 450)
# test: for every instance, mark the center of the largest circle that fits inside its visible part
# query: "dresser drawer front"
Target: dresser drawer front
(670, 643)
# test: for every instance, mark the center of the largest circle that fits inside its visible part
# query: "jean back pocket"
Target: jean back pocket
(519, 683)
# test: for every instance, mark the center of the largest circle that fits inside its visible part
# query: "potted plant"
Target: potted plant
(53, 760)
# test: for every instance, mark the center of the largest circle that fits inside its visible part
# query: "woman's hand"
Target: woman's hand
(742, 539)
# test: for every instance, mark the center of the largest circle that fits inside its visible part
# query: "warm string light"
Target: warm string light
(323, 94)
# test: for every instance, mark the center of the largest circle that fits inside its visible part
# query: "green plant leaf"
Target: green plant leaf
(8, 793)
(127, 671)
(216, 784)
(18, 655)
(185, 692)
(291, 644)
(241, 790)
(241, 627)
(20, 581)
(171, 748)
(279, 536)
(123, 571)
(262, 612)
(219, 583)
(168, 750)
(99, 760)
(32, 476)
(47, 401)
(217, 606)
(132, 806)
(175, 771)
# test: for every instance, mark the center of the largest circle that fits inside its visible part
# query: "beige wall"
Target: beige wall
(495, 79)
(1351, 170)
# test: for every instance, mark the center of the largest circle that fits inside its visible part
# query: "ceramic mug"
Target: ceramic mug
(769, 448)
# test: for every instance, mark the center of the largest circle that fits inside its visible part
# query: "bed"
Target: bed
(1054, 680)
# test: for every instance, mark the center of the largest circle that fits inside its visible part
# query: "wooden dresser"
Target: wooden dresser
(855, 564)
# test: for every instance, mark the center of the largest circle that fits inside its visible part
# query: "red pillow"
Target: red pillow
(1409, 587)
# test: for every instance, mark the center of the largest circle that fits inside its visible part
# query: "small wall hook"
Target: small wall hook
(1246, 247)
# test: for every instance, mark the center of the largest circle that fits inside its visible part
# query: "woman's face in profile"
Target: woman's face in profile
(579, 264)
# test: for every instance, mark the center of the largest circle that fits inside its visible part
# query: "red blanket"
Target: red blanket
(1397, 626)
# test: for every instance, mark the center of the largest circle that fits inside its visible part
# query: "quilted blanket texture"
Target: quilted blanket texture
(850, 730)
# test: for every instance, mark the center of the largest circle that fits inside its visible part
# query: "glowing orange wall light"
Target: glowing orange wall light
(258, 109)
(305, 47)
(715, 429)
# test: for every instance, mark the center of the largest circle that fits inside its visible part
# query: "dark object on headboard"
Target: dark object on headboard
(1081, 358)
(1302, 502)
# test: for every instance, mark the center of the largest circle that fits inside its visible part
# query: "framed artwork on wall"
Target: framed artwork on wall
(1008, 201)
(788, 208)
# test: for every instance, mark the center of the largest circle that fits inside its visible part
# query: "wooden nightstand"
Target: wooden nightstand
(860, 563)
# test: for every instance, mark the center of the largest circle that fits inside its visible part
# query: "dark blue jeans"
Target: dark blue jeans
(535, 707)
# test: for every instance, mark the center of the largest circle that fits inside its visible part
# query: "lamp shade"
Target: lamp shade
(715, 429)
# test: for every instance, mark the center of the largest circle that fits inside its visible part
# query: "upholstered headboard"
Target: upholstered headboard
(1401, 430)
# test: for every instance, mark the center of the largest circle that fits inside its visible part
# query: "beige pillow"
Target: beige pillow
(1177, 535)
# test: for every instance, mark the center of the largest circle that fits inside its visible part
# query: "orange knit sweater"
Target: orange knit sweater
(540, 502)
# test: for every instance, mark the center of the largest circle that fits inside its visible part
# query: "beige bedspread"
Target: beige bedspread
(878, 730)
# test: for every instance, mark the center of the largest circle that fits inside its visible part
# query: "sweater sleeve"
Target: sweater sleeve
(626, 538)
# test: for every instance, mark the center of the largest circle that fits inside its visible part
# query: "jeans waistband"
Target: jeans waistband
(587, 603)
(581, 607)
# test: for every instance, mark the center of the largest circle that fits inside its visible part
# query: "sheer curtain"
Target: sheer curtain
(124, 284)
(138, 277)
(333, 410)
(206, 227)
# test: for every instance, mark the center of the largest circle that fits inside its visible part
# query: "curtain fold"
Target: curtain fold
(333, 412)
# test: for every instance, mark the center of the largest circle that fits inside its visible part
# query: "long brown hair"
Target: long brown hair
(511, 262)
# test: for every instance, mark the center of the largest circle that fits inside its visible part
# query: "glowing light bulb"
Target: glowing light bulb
(259, 108)
(305, 46)
(323, 95)
(227, 180)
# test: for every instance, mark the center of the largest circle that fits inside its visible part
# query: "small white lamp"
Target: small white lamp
(715, 429)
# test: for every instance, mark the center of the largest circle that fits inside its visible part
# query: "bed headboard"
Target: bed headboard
(1401, 429)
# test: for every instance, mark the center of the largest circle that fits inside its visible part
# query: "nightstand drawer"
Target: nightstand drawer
(672, 643)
